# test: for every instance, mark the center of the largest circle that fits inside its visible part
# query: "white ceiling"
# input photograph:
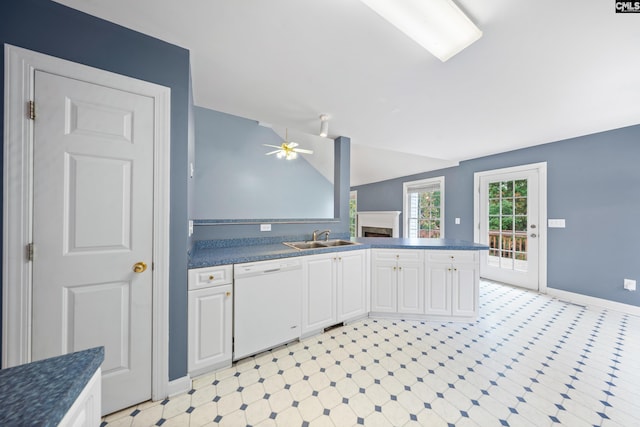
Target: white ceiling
(543, 71)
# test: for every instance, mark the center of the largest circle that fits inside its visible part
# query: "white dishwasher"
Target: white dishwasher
(266, 306)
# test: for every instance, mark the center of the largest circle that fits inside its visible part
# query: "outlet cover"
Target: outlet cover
(265, 227)
(557, 223)
(630, 284)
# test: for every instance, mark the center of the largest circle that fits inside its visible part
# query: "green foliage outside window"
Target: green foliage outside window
(508, 219)
(353, 210)
(428, 219)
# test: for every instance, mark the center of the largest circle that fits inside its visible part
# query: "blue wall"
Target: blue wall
(340, 224)
(235, 180)
(53, 29)
(592, 181)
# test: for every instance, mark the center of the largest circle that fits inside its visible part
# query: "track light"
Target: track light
(324, 125)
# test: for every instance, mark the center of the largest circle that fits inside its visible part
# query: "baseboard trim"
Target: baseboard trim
(179, 386)
(593, 301)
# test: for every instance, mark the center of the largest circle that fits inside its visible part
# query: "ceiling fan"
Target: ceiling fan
(288, 149)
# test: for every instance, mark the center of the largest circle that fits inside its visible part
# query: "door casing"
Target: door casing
(541, 168)
(20, 65)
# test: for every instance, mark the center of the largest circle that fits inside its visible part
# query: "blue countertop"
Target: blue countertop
(414, 243)
(209, 254)
(41, 393)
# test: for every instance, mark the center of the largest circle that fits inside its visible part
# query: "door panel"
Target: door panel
(410, 288)
(104, 304)
(509, 224)
(384, 287)
(319, 293)
(105, 223)
(464, 290)
(92, 221)
(437, 288)
(352, 285)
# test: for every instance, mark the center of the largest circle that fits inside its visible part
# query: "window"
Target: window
(353, 213)
(424, 208)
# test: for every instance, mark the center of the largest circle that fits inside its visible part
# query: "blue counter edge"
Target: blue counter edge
(41, 393)
(207, 254)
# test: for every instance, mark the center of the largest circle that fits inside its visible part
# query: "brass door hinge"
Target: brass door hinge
(30, 251)
(32, 110)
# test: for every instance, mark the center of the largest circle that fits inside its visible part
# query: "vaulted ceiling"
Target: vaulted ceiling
(543, 71)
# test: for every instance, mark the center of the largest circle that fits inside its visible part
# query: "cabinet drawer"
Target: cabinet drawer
(452, 256)
(210, 276)
(397, 255)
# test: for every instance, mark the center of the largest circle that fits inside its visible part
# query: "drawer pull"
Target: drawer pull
(228, 294)
(211, 277)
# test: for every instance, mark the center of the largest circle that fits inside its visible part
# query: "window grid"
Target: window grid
(508, 224)
(423, 208)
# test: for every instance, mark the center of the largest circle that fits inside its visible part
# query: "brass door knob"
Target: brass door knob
(139, 267)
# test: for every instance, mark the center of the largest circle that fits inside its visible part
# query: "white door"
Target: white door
(464, 290)
(384, 285)
(509, 224)
(410, 287)
(351, 285)
(92, 222)
(438, 289)
(318, 292)
(210, 328)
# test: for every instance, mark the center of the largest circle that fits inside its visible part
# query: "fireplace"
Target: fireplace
(378, 224)
(377, 232)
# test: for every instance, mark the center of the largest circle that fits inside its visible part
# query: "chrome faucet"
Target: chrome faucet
(318, 233)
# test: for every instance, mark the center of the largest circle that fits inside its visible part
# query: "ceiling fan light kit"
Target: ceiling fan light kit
(324, 125)
(288, 149)
(437, 25)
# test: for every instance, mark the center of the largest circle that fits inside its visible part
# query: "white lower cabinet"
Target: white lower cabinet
(86, 409)
(334, 289)
(210, 319)
(452, 284)
(397, 282)
(352, 280)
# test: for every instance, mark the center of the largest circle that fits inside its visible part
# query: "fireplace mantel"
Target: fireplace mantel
(380, 219)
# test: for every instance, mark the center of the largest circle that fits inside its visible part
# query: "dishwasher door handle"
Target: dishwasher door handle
(271, 271)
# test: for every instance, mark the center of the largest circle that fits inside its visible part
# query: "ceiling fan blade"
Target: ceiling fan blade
(303, 151)
(272, 152)
(273, 146)
(293, 144)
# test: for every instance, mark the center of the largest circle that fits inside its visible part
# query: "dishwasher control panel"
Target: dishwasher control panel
(265, 267)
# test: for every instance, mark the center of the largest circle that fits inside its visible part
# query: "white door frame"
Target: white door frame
(541, 168)
(20, 66)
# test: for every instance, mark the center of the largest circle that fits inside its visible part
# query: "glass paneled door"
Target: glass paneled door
(509, 225)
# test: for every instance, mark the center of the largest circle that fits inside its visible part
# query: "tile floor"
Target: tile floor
(529, 360)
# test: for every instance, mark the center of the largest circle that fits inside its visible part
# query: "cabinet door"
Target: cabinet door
(410, 287)
(438, 289)
(351, 284)
(210, 328)
(318, 292)
(464, 290)
(384, 287)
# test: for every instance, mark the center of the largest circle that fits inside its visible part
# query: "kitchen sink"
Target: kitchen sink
(338, 243)
(319, 244)
(305, 245)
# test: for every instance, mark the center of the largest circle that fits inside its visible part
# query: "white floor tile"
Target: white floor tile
(529, 360)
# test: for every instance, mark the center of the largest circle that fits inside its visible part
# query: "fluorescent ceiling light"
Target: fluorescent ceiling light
(437, 25)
